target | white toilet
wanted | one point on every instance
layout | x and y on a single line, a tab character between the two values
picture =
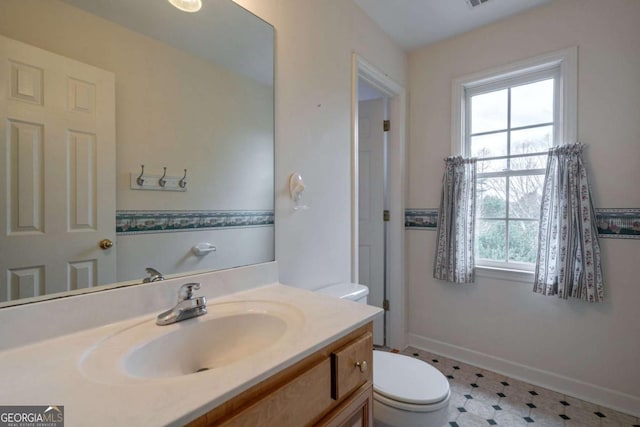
407	392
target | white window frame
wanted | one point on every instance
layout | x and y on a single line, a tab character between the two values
565	64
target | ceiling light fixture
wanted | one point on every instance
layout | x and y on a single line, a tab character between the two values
187	5
475	3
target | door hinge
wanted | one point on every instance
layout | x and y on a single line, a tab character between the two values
386	215
386	125
385	305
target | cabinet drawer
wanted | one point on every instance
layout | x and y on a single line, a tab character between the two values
351	366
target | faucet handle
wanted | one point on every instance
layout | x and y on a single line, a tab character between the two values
154	275
153	271
186	291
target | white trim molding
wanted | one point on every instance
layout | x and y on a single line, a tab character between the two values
593	393
396	179
505	274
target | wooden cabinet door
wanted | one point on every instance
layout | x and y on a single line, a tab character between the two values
356	411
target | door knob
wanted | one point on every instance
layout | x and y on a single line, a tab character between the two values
105	244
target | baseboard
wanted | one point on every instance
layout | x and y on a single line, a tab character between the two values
570	386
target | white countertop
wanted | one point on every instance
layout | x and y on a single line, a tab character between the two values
49	373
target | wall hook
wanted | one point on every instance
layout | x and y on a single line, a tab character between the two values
296	188
183	182
163	181
140	179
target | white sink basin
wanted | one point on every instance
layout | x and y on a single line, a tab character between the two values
231	332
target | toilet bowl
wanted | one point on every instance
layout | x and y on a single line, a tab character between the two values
407	392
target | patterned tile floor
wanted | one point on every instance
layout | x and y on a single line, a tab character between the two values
481	398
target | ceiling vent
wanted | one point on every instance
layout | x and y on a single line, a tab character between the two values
475	3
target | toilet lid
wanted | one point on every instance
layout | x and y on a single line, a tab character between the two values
408	380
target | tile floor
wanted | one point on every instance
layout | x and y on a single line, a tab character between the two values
481	398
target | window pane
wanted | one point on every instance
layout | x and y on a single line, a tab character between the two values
532	104
492	145
491	238
489	111
490	196
531	162
523	241
532	140
525	195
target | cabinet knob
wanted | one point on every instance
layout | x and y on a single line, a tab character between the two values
362	366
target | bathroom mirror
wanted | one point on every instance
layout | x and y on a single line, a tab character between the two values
135	135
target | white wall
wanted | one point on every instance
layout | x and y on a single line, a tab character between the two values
234	247
314	43
588	350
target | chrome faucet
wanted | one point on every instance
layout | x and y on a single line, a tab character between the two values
154	275
186	308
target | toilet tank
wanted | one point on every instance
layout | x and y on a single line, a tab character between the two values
351	291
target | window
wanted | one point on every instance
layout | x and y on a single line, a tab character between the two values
510	127
509	119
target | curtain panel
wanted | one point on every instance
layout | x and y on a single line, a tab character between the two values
568	259
454	259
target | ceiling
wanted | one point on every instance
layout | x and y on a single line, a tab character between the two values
416	23
221	32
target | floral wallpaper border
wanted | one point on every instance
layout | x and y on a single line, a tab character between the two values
145	222
618	223
421	218
612	223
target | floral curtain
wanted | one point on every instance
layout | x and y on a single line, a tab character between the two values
568	261
454	259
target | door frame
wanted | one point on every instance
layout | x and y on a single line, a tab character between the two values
396	178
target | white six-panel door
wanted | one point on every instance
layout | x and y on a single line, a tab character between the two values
57	180
371	205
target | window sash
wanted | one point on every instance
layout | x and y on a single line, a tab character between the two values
513	129
524	78
510	172
510	83
471	89
511	265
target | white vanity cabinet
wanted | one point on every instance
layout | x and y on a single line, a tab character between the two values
332	387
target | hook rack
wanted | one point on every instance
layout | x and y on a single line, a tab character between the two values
159	182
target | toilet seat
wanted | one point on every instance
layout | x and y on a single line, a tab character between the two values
408	384
410	407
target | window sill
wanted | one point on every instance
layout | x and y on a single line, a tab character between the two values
505	274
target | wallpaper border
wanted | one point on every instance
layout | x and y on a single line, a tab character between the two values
618	223
421	219
145	222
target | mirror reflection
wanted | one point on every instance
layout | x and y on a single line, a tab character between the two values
135	135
